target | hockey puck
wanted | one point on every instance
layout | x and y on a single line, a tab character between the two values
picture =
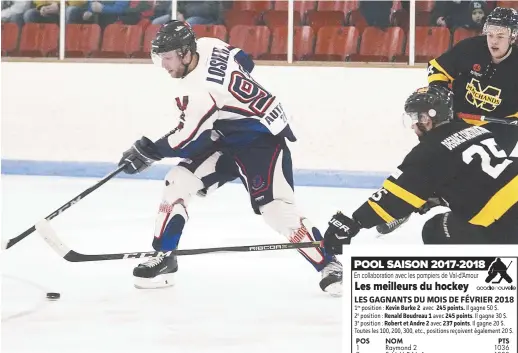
53	296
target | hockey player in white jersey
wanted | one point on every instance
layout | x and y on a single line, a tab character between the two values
230	126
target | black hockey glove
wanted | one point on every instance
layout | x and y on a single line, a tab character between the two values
340	231
431	203
140	156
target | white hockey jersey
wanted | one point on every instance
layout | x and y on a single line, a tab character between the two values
220	101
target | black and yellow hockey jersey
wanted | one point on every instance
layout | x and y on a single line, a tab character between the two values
480	86
459	162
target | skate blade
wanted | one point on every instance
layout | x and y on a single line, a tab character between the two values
334	289
160	281
384	229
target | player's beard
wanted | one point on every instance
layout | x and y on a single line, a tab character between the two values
186	66
422	129
185	69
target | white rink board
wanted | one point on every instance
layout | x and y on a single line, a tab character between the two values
345	118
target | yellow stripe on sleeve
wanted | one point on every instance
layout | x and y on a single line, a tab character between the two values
380	211
403	194
438	77
435	64
498	205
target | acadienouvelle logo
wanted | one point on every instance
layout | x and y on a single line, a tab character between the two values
500	275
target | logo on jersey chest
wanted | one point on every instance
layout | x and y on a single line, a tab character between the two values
487	99
182	105
475	71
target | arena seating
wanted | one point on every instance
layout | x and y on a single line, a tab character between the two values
324	30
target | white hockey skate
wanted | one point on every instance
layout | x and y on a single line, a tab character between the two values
331	281
157	272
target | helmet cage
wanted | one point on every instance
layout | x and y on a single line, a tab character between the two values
436	101
503	17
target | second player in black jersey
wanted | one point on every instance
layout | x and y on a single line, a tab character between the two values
482	72
455	161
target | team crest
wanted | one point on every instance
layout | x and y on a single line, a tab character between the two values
487	99
257	182
182	105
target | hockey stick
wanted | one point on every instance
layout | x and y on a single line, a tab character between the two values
50	236
11	242
66	206
489	119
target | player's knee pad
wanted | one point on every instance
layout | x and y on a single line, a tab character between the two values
180	185
281	216
285	219
435	230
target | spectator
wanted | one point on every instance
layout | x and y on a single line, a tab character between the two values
376	13
74	11
43	12
137	11
477	15
48	12
450	14
12	11
195	13
162	12
105	12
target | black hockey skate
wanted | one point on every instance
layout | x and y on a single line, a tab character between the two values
386	228
157	272
331	281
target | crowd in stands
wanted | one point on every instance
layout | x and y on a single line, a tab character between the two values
107	12
454	14
451	14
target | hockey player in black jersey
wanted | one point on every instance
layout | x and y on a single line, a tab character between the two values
455	161
482	72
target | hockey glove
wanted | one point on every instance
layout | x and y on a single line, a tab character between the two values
431	203
340	231
140	156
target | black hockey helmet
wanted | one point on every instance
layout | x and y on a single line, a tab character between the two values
435	100
503	17
174	35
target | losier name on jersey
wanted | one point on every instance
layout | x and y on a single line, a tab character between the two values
218	65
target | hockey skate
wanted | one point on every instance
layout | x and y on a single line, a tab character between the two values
386	228
331	281
157	272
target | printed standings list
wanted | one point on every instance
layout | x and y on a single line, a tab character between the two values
429	305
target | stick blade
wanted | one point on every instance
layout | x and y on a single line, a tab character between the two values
50	236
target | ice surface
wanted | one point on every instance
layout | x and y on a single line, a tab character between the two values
250	302
241	302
